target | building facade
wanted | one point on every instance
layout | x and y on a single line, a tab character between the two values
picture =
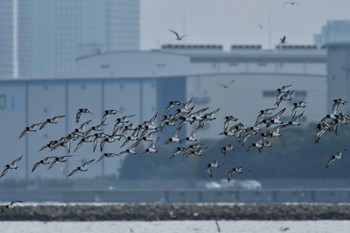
333	31
51	33
143	83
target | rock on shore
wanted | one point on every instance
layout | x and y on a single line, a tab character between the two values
152	212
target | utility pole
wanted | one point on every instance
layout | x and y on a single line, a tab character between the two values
15	39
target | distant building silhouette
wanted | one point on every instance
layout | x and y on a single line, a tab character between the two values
51	32
333	31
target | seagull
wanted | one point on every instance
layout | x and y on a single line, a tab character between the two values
81	111
225	85
44	161
283	40
214	164
292	3
13	165
82	168
8	206
337	156
178	37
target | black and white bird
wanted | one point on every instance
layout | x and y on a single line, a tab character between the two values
80	112
8	206
178	37
53	120
235	170
106	155
60	159
292	3
32	128
337	156
44	161
152	148
335	105
175	138
108	113
296	106
11	166
227	148
81	168
214	164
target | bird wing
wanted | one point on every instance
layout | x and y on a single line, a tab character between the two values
221	84
73	172
57	117
23	133
43	124
14	202
36	165
153	145
16	160
229	175
87	163
209	171
52	164
330	161
77	117
4	172
176	34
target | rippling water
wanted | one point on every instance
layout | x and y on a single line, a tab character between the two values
177	226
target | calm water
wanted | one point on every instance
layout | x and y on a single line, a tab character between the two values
177	226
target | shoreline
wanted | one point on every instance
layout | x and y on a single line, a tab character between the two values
175	211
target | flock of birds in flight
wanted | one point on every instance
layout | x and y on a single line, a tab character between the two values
178	114
268	125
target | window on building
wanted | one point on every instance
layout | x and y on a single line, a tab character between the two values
300	94
105	66
269	93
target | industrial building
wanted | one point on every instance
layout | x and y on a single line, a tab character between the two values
143	82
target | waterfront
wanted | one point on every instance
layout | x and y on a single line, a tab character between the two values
324	226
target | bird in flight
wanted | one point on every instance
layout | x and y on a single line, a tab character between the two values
283	40
292	3
12	165
178	37
8	206
225	85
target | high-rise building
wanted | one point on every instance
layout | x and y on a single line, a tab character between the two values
52	33
333	31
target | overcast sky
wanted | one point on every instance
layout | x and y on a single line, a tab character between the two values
229	22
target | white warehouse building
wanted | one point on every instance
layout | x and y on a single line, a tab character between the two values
256	73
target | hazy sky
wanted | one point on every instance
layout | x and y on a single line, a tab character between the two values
229	22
